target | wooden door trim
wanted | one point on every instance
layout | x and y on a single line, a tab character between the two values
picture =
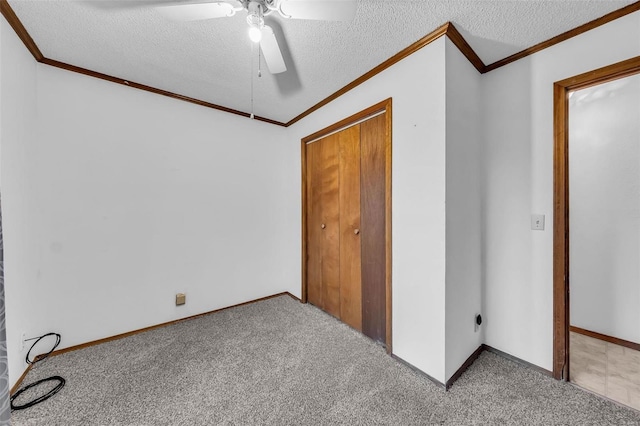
380	107
385	107
561	91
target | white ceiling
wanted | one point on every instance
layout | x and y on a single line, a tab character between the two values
211	60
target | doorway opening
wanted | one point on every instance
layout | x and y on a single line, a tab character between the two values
595	174
346	221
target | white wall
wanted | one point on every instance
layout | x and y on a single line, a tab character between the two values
18	114
417	86
518	180
463	229
604	188
137	197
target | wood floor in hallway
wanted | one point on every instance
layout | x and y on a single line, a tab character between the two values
606	368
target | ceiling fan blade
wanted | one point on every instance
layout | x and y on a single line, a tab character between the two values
324	10
196	12
271	51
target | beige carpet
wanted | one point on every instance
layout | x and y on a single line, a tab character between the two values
279	362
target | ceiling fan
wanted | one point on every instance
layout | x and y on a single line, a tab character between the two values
328	10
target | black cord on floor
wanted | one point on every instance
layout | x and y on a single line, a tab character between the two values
38	358
43	356
39	399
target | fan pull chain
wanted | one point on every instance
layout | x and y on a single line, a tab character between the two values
251	116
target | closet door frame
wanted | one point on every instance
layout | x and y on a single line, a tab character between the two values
383	107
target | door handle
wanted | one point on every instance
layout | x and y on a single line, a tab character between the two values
323	226
356	231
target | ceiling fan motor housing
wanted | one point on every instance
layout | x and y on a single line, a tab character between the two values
255	17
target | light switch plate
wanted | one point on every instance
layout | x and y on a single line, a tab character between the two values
537	222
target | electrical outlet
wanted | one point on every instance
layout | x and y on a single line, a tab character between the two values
23	338
477	322
181	299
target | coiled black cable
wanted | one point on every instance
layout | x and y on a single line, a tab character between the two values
38	358
39	399
43	356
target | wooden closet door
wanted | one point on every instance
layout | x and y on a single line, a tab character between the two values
350	276
314	232
373	202
346	206
323	221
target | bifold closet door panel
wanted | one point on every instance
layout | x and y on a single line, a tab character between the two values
330	225
350	275
314	231
372	234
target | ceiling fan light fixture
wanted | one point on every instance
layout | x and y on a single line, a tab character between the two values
255	19
255	34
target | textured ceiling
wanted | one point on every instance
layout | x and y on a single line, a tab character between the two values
211	60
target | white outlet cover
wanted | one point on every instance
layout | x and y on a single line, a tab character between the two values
537	222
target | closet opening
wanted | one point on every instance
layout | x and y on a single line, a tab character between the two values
346	221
